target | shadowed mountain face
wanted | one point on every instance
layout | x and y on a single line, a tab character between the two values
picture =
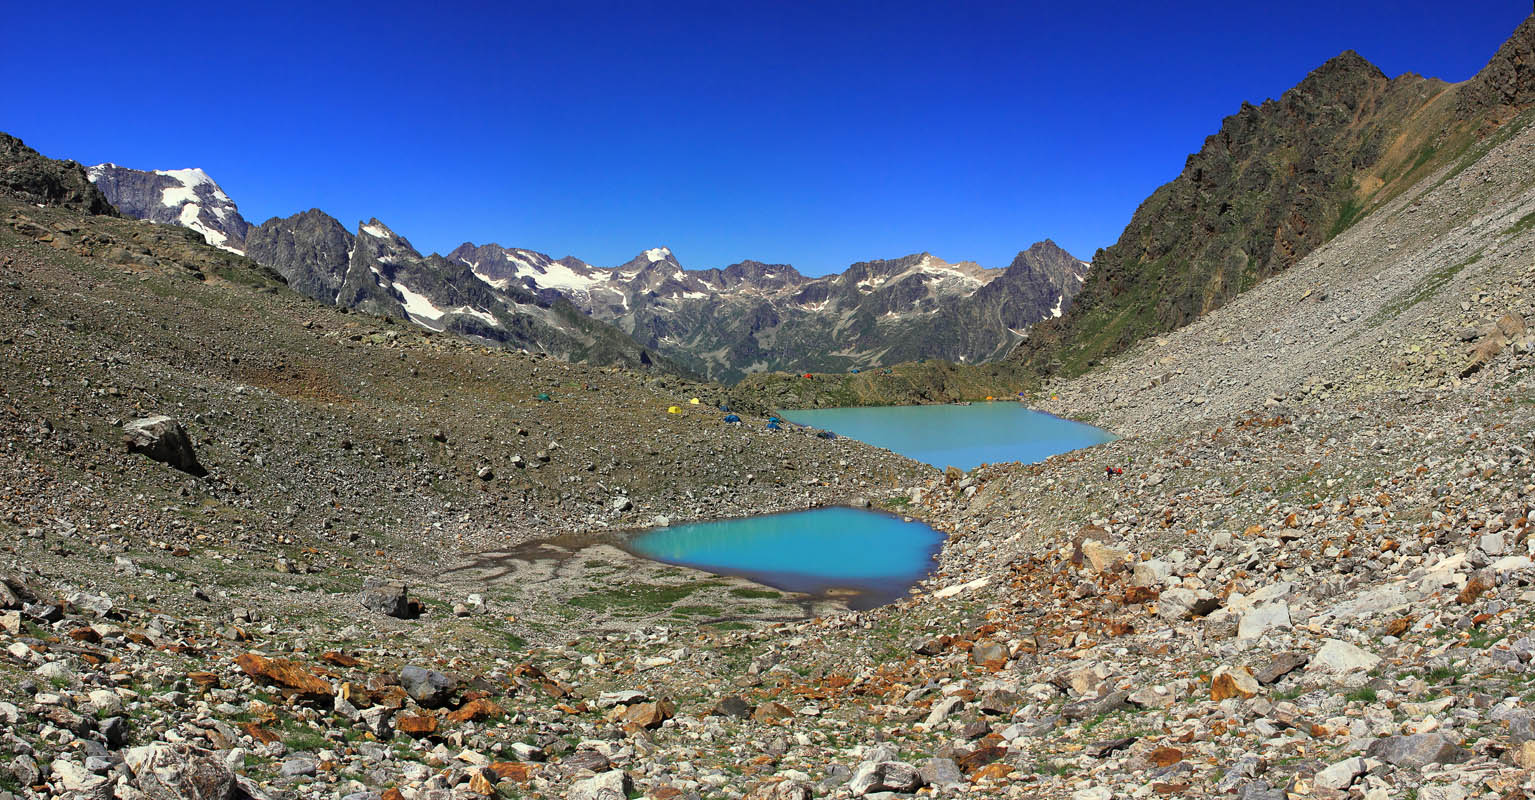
755	317
723	323
1276	181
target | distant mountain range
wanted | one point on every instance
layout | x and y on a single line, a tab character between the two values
720	323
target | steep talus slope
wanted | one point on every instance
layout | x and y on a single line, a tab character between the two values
1401	300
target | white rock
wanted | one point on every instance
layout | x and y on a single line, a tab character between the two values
610	785
1341	775
106	701
1339	658
1150	573
1262	619
950	591
942	710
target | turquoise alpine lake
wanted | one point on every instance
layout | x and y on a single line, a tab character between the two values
868	558
956	435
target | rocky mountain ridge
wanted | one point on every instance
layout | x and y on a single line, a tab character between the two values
754	317
372	270
1274	183
721	323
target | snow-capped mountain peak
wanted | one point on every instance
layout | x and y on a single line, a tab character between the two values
186	197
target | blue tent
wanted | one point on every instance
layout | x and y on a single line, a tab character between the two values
773	425
732	418
826	435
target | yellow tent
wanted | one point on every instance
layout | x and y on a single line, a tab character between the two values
694	401
674	410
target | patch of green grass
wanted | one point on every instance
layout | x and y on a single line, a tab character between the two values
1424	289
305	740
1094	722
1365	695
1525	223
755	594
1289	694
1443	675
638	599
1481	639
729	625
1047	768
1352	210
695	611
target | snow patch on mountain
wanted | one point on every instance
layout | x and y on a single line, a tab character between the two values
658	253
417	305
378	231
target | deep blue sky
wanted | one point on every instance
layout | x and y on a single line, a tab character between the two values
816	134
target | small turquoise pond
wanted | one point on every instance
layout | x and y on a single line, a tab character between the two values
867	556
957	436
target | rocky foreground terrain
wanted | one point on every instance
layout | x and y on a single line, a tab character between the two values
1313	579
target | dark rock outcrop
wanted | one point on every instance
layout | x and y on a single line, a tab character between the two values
26	174
311	250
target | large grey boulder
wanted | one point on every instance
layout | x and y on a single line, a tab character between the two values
165	771
163	439
1418	751
429	687
386	597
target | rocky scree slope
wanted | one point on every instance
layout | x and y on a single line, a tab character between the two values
1422	295
1278	180
373	270
752	317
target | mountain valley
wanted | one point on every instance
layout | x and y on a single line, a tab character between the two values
395	568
